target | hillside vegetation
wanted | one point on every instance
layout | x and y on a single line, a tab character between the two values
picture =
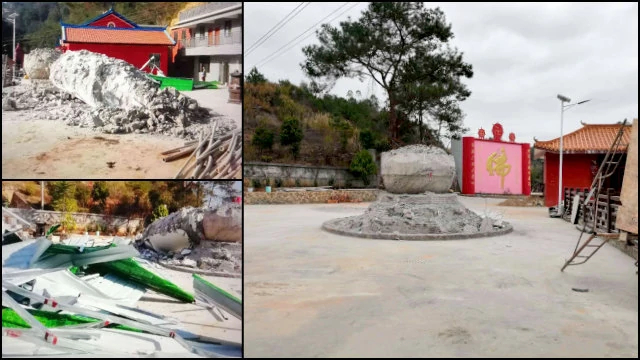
119	198
333	129
38	23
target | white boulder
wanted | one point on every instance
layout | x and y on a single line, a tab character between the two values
415	169
38	62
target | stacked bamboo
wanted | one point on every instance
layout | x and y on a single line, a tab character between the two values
210	157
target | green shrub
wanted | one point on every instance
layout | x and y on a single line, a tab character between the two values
263	137
256	183
367	140
291	134
382	145
298	183
278	182
68	222
160	211
363	166
266	158
332	181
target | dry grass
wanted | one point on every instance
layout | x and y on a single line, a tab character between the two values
524	201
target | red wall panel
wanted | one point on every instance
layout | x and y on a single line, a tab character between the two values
119	23
136	55
576	173
468	165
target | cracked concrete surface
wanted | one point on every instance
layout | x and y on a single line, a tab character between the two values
314	294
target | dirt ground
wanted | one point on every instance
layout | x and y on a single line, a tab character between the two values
48	149
325	295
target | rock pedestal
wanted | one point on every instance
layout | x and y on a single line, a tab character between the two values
418	205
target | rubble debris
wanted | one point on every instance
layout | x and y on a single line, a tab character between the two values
38	62
226	224
197	238
8	104
98	296
121	99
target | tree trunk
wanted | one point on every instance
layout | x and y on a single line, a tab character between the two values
393	117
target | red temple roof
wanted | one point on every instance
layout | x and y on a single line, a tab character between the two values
591	138
116	36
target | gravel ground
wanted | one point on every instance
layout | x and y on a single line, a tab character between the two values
46	149
325	295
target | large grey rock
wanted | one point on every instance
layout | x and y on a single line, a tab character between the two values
415	169
38	62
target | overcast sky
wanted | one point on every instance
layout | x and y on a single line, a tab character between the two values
523	55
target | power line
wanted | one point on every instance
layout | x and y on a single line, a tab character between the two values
267	59
258	42
261	62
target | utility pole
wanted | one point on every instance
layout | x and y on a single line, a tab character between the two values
13	17
41	195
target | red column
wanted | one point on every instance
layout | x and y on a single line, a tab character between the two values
526	169
468	165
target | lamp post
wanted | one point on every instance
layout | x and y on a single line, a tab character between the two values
13	17
563	99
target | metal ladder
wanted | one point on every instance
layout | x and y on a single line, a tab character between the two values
607	168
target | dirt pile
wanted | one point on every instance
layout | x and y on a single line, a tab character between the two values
417	217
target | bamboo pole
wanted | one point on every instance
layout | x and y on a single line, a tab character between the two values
180	155
189	159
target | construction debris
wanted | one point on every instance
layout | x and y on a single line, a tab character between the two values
212	156
121	99
197	238
97	288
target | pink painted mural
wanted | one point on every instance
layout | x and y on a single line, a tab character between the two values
498	167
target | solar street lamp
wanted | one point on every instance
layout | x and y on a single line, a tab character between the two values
563	99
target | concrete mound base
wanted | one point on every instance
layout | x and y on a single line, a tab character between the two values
426	216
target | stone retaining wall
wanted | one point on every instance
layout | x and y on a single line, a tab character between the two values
84	221
307	197
302	175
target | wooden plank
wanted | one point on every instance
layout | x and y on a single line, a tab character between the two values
627	218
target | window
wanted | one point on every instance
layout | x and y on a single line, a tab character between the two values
175	36
227	28
111	24
201	31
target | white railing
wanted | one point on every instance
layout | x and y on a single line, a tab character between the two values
210	41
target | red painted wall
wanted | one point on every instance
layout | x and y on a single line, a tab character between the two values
119	23
526	169
576	173
135	55
469	165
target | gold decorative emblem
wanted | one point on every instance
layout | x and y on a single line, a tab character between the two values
497	165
